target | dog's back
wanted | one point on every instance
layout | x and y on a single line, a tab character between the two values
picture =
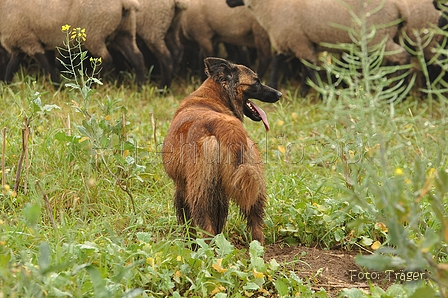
211	159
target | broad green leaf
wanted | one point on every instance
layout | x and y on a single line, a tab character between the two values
224	247
144	237
380	262
281	287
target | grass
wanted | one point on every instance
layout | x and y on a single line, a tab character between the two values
100	246
92	213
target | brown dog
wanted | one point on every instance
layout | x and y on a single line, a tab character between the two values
208	153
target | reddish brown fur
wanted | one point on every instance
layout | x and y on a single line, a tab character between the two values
211	159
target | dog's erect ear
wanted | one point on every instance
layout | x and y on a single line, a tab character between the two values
218	69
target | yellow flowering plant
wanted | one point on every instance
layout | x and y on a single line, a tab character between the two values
98	134
72	58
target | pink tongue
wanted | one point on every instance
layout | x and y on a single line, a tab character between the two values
263	116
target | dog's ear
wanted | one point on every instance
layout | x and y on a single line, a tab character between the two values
218	69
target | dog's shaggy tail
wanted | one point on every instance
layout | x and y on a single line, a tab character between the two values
249	192
248	186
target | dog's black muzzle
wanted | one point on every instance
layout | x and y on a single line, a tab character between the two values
262	93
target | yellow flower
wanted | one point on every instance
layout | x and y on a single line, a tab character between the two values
66	27
280	122
96	61
79	34
399	171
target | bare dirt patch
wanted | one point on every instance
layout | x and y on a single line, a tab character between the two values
332	270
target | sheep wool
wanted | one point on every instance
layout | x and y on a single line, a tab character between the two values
158	26
33	28
297	26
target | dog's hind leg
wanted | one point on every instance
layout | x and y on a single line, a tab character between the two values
210	206
255	219
183	211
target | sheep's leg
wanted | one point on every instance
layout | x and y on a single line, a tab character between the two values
206	50
13	65
308	73
263	51
237	54
174	44
127	45
165	59
48	69
277	63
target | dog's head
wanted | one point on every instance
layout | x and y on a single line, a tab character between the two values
240	84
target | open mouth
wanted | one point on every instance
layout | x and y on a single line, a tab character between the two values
255	113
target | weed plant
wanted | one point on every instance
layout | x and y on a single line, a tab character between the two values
365	170
397	182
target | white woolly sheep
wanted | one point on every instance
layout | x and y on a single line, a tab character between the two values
210	21
298	27
158	26
424	18
31	28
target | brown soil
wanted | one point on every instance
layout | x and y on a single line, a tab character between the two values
332	270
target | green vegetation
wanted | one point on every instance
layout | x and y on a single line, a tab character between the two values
86	208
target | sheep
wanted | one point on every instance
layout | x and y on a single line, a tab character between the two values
158	26
424	17
443	6
298	27
209	21
32	29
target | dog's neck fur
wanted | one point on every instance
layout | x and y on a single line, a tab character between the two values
216	91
